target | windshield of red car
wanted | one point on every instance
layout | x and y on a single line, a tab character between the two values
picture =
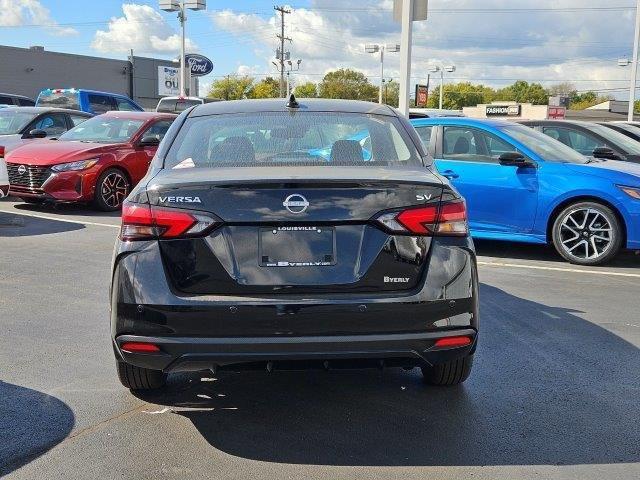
103	129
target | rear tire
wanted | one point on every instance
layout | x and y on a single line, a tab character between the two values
112	188
587	233
136	378
449	373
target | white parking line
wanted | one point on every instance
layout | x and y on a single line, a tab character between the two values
559	269
59	219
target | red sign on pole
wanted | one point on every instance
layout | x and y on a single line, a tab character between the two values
422	95
556	113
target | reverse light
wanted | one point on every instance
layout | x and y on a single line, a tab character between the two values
452	342
75	166
446	219
633	192
139	347
144	222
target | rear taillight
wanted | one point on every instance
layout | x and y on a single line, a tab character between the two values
1	151
144	222
446	219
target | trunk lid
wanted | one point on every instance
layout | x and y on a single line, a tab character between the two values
295	230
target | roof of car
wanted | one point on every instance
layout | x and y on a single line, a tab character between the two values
280	105
14	95
462	121
138	115
558	122
46	109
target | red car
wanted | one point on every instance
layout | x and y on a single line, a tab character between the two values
98	161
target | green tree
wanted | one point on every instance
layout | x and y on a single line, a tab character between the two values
267	88
306	90
231	88
391	93
348	84
458	95
524	92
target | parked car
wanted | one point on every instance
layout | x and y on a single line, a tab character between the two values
4	176
631	131
247	250
20	125
11	99
180	104
433	112
90	101
99	161
590	139
521	185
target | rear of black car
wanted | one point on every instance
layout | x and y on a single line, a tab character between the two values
276	237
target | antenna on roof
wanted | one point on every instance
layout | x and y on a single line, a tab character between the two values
293	103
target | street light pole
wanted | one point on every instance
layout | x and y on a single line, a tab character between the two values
183	18
634	65
406	20
441	87
381	74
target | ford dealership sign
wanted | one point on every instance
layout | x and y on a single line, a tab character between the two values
199	64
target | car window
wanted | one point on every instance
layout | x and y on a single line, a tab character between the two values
77	119
25	102
543	145
104	129
579	141
472	145
13	121
52	123
59	99
125	105
425	135
158	129
6	101
166	105
100	103
182	105
267	139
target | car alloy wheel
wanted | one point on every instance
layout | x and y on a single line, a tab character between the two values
586	233
114	189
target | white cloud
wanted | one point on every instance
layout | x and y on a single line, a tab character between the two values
14	13
142	29
493	48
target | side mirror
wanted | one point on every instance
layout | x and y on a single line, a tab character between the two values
605	152
513	159
35	133
149	141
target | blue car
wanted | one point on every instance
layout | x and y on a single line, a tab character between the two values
89	101
521	185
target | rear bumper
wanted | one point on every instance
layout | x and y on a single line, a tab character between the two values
194	354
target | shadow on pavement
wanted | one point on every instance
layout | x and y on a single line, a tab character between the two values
31	423
526	251
548	388
23	226
63	209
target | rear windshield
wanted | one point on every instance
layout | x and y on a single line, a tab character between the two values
299	138
103	129
12	122
59	100
177	106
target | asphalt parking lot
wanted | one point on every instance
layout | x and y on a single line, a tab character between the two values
554	391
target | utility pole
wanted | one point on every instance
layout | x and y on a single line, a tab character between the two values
406	20
634	65
280	52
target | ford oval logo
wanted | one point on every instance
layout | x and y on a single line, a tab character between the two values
198	64
295	203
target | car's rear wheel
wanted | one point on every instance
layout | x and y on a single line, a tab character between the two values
449	373
587	233
136	378
112	188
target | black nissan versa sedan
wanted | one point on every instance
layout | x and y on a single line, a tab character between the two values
274	234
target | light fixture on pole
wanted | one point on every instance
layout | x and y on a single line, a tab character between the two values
375	48
289	70
181	6
442	69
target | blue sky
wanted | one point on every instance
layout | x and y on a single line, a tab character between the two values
493	42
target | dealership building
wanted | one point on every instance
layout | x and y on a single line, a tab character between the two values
27	71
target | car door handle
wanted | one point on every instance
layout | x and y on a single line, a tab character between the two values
450	174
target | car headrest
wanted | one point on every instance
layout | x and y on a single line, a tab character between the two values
234	150
349	151
462	146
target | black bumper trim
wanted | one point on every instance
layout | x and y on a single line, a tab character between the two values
193	354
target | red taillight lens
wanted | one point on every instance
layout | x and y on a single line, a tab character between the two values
143	222
1	151
139	347
451	342
449	219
